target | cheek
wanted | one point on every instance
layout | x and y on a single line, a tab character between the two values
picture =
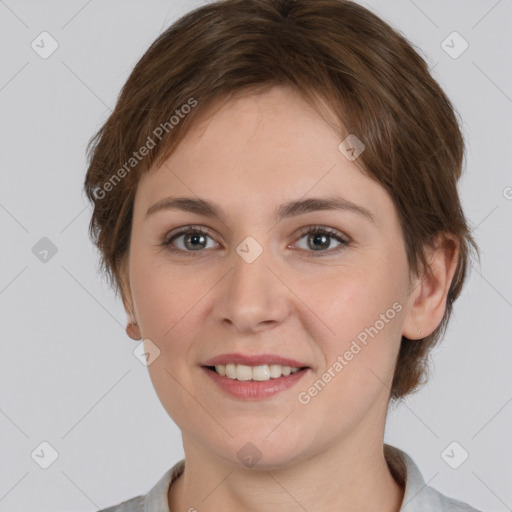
361	312
168	301
166	297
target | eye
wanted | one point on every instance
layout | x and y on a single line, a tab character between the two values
318	238
193	240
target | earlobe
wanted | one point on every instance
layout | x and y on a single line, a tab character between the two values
132	329
427	303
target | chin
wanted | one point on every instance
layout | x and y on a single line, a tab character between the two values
261	453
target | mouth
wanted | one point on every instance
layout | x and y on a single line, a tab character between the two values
254	376
254	382
260	373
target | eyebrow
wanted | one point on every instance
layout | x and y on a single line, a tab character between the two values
287	210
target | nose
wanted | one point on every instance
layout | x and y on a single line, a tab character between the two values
252	297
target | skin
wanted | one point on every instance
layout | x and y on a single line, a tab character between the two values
250	156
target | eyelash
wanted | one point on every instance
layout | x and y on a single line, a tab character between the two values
344	242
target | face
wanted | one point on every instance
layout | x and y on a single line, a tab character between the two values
327	288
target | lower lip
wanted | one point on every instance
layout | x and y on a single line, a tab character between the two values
253	389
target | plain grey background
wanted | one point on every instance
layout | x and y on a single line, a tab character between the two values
68	375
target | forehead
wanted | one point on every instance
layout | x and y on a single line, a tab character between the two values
260	148
264	114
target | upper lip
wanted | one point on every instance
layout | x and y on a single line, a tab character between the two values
253	360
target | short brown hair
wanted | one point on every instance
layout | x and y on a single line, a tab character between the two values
376	83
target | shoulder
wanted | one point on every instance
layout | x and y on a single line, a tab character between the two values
441	502
156	499
418	496
132	505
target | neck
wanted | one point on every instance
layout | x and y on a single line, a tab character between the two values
349	476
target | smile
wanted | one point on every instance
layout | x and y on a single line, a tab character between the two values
254	382
260	373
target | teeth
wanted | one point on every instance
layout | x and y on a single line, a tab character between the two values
261	373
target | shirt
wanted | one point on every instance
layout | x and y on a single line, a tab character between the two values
418	496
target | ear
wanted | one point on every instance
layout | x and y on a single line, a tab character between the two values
429	292
132	329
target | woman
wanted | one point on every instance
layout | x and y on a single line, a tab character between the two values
275	200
